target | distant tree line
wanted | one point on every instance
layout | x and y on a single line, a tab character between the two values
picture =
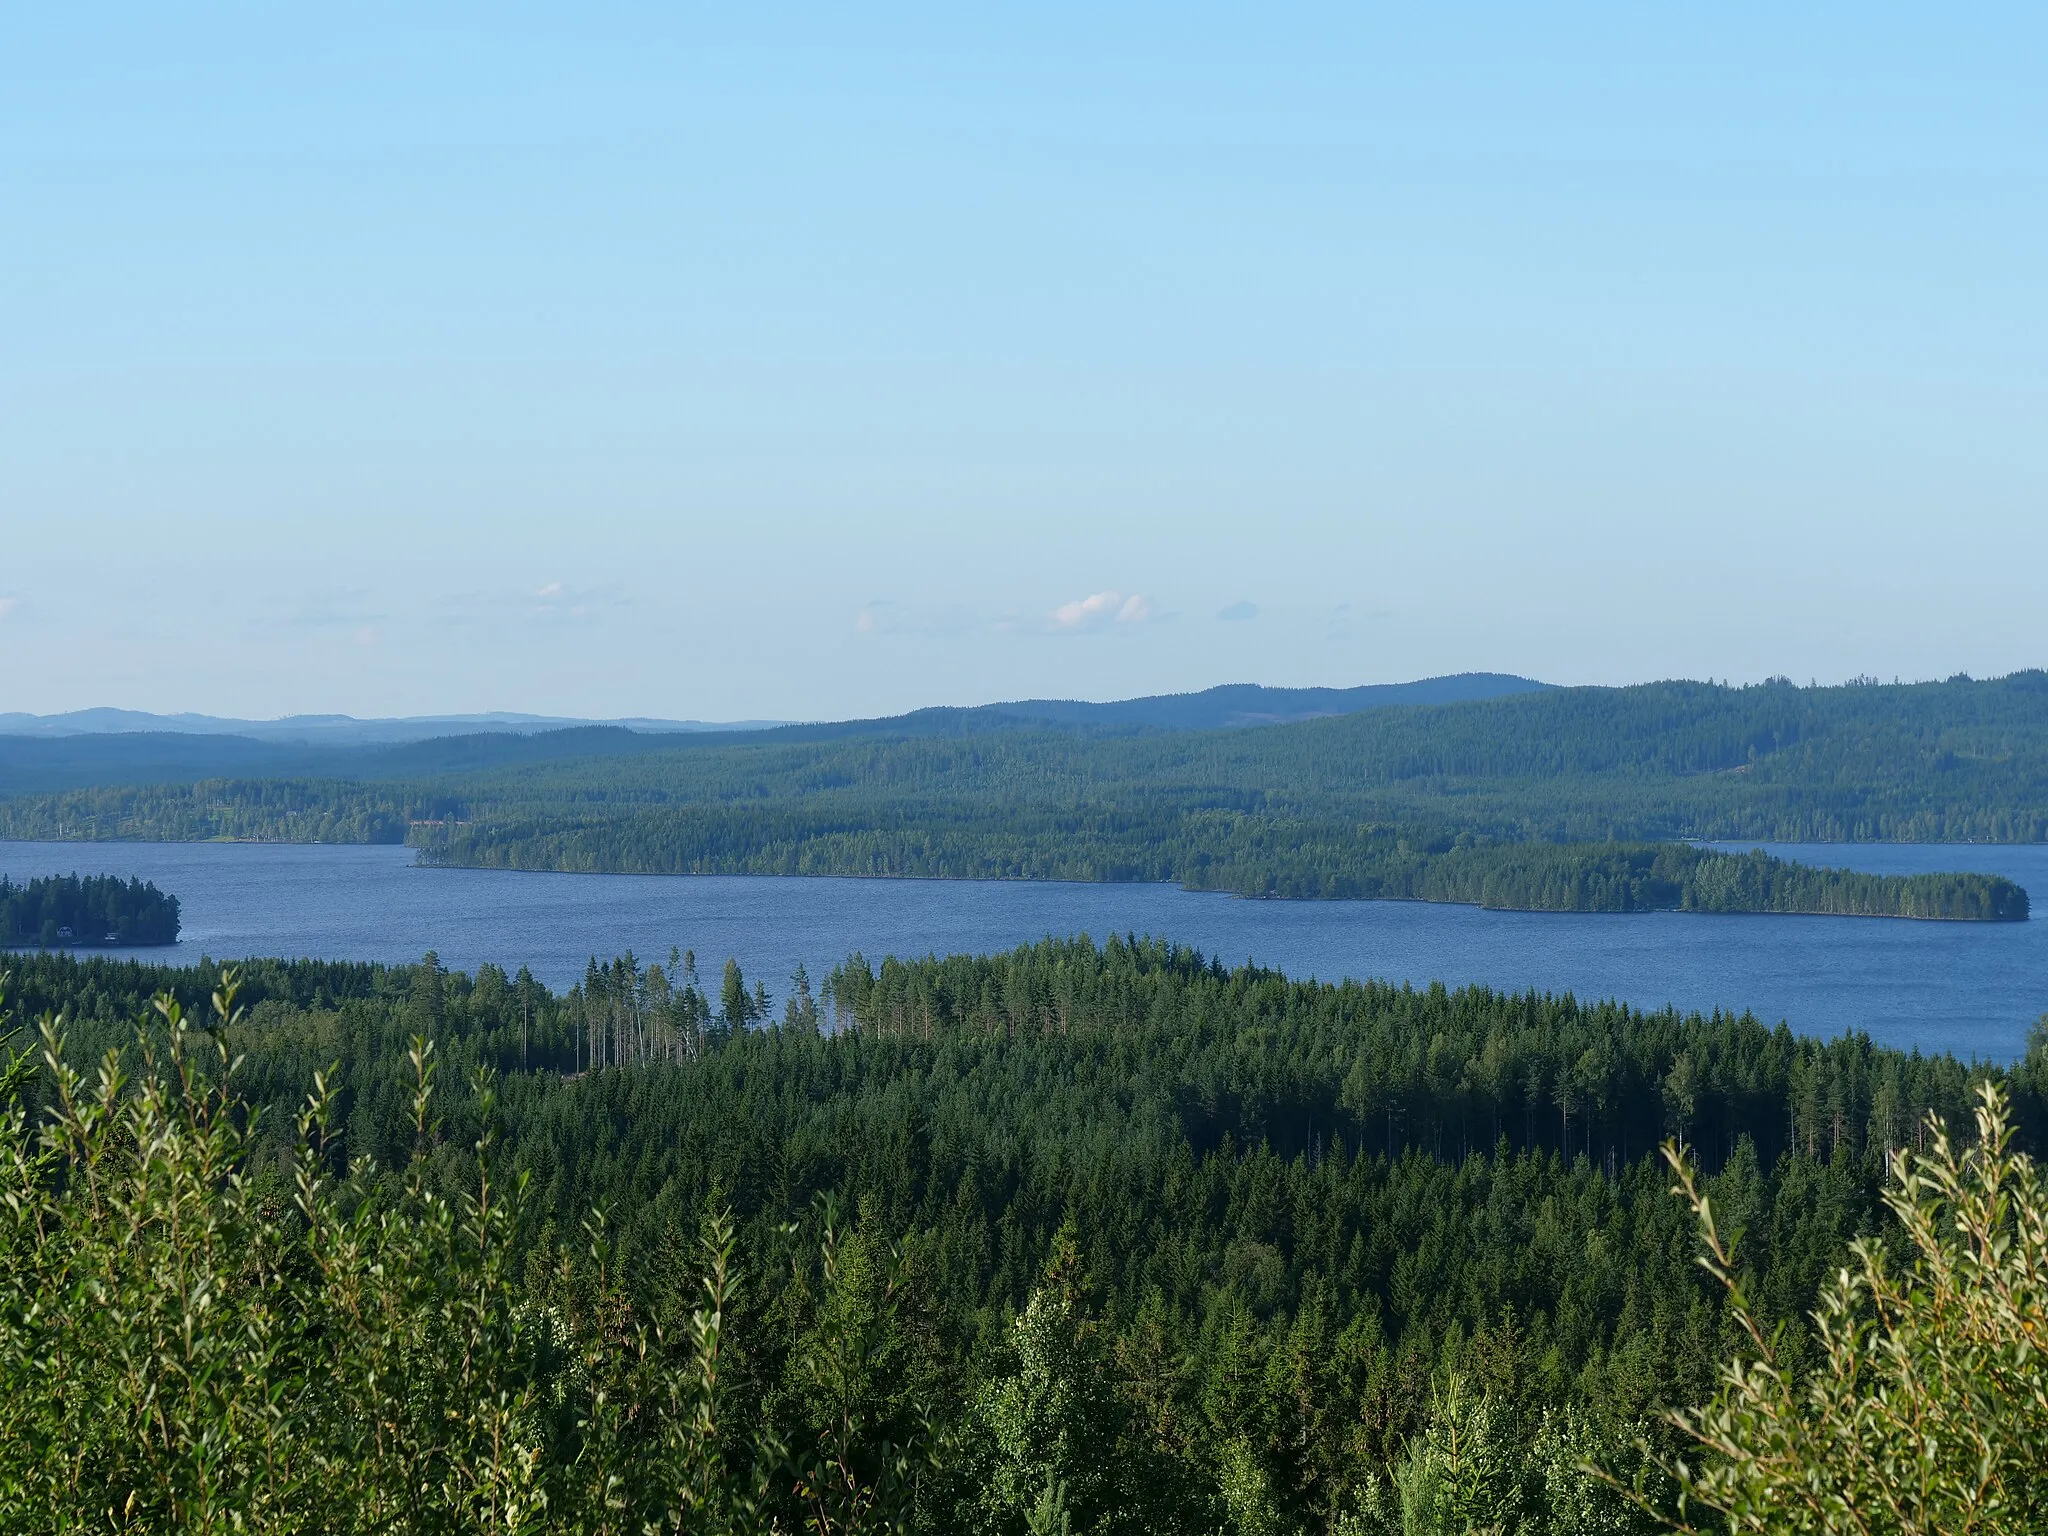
97	909
227	810
1415	802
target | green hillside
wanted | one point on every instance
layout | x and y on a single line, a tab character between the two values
1411	801
1175	1247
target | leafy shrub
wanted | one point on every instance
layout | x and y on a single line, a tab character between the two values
1927	1410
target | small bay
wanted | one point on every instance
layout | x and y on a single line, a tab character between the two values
1968	988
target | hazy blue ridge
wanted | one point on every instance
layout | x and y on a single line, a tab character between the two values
40	754
1236	704
334	730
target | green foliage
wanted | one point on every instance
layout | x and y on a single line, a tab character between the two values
1475	1468
1926	1409
99	909
184	1346
1074	1239
189	1345
852	1385
1050	1429
1464	1472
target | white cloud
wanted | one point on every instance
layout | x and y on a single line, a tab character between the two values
1084	615
1100	610
9	606
1238	613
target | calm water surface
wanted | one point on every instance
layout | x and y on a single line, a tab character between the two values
1970	988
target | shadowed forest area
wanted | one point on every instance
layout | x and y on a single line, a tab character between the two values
97	909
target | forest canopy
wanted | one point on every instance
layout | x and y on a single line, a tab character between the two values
98	909
1080	1238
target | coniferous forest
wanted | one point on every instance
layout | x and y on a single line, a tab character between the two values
1571	799
98	909
1076	1238
493	490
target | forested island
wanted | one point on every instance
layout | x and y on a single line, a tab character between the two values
98	909
1075	1238
1288	861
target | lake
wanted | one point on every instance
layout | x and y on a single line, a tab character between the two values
1968	988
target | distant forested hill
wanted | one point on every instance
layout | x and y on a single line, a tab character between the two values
328	730
108	748
1396	801
1250	704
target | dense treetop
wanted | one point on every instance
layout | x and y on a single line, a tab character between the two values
1099	1237
98	909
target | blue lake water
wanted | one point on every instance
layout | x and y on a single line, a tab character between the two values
1969	988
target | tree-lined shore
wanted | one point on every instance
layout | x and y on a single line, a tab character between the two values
1559	800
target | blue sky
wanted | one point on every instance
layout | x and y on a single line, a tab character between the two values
784	361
